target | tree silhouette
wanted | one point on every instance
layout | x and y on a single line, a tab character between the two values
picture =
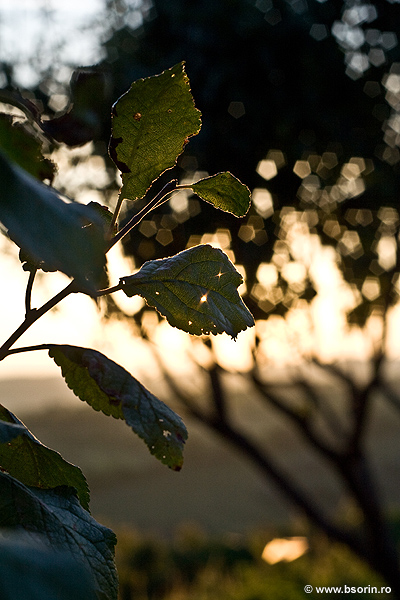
313	91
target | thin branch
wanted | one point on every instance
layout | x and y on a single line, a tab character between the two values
115	215
28	293
371	542
29	349
301	422
218	393
360	397
183	397
361	404
263	462
109	290
362	400
159	199
325	408
334	370
34	315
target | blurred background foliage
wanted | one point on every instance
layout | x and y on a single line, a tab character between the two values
231	567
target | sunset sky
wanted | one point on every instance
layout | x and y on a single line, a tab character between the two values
320	329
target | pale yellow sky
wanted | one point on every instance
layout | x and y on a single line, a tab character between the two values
75	321
321	328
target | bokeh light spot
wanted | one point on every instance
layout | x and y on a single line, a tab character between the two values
376	57
302	168
371	288
278	157
148	228
164	237
262	202
246	233
267	169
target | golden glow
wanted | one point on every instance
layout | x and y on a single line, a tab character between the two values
284	549
234	356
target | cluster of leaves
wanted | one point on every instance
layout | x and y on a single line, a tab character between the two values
240	56
196	290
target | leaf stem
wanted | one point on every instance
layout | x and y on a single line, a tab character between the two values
30	348
159	199
35	314
115	215
109	290
28	293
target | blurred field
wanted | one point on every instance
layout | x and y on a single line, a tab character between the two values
216	488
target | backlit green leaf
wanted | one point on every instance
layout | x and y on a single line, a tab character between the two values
196	290
24	148
68	237
224	191
108	387
151	125
64	526
32	463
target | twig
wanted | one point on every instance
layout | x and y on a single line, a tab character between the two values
29	349
218	393
325	408
301	422
109	290
34	315
159	199
115	215
361	404
28	293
